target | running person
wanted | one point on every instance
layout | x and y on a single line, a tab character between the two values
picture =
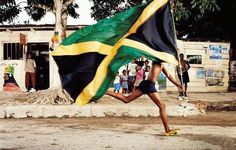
148	87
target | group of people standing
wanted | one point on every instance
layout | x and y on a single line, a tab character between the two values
136	72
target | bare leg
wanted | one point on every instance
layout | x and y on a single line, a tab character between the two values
134	88
126	91
162	109
185	90
186	86
126	99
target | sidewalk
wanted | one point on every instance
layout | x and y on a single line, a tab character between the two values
107	106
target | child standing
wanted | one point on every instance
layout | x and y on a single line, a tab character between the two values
124	82
117	83
139	75
147	72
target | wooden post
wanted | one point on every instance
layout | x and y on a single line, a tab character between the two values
180	67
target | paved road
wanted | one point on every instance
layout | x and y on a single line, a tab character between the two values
115	133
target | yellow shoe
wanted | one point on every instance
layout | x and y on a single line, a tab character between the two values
172	132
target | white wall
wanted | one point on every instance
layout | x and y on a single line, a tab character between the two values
221	65
14	37
186	48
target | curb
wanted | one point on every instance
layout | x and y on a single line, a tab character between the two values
93	110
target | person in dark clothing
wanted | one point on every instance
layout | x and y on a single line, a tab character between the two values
185	77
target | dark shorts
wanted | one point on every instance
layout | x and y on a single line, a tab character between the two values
147	86
185	77
131	79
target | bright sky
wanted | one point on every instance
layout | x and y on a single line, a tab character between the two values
84	10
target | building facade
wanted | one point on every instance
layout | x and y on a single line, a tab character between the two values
209	61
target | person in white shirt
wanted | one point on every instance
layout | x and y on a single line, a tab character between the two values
117	83
147	72
132	75
30	73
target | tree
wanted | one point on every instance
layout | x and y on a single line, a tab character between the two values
188	15
37	9
219	25
8	10
186	12
106	8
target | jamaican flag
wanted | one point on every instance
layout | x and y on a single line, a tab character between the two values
89	58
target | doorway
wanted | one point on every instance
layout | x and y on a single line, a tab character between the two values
40	52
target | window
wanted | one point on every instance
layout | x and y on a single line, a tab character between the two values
12	51
194	59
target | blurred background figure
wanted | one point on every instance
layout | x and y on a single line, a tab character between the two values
117	83
139	75
185	77
30	73
132	75
124	82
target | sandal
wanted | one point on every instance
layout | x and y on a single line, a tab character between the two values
172	132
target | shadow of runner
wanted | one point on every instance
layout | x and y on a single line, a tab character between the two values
222	141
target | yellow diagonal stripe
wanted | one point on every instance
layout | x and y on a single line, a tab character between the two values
81	48
143	47
90	90
147	13
100	76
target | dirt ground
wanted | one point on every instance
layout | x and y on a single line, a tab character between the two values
216	130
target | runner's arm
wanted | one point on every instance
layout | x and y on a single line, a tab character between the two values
171	78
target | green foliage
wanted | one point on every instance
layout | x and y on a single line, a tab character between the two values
47	3
35	13
185	9
72	10
186	12
180	11
8	10
106	8
36	9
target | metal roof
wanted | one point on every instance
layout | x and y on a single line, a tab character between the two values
46	27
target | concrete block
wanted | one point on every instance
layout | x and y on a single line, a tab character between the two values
67	111
172	111
2	112
77	111
187	109
17	112
36	111
152	111
45	111
143	111
53	111
109	110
